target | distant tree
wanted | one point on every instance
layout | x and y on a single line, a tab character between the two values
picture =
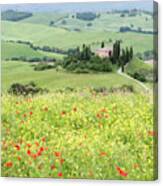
51	23
122	15
102	44
131	52
131	25
89	24
86	16
64	22
116	51
127	55
139	29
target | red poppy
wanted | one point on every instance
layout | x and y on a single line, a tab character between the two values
151	133
31	113
17	147
28	152
62	161
36	143
19	158
57	154
28	145
39	153
34	156
60	174
52	167
9	164
41	149
63	113
121	172
43	139
103	154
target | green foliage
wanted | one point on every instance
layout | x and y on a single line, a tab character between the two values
80	134
86	16
27	89
12	15
52	79
43	66
140	70
102	44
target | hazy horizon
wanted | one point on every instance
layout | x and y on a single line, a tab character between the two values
79	6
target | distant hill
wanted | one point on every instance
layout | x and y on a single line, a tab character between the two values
12	15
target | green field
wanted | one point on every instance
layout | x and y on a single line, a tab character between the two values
111	22
78	135
22	72
138	66
12	49
42	35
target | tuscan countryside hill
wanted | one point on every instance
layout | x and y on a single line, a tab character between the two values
78	79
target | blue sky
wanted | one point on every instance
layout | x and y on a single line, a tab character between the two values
76	7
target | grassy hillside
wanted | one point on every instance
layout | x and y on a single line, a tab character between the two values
105	21
109	22
78	135
138	66
61	38
45	17
11	49
22	72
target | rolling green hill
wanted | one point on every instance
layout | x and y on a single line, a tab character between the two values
57	37
137	66
45	17
11	49
105	21
22	72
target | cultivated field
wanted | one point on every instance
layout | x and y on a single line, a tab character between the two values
78	135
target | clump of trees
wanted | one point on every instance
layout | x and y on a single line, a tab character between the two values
32	59
86	16
147	55
43	66
138	30
85	61
25	89
12	15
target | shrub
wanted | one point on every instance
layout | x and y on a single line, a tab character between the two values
87	16
43	66
139	76
27	89
124	88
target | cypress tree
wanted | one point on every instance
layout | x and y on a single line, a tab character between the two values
102	44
